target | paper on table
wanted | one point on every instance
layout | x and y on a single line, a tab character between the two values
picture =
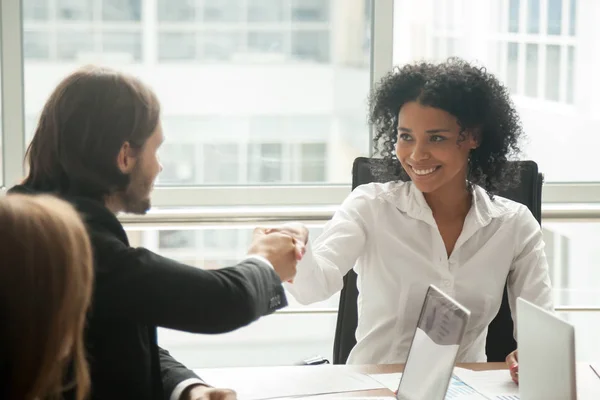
259	384
493	384
390	381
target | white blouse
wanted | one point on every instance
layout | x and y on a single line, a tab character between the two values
387	233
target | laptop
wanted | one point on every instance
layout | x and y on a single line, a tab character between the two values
433	351
546	354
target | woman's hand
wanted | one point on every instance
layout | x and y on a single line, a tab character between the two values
512	360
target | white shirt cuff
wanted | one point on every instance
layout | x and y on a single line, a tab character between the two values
260	258
176	393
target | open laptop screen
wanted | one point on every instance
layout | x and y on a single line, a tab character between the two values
434	348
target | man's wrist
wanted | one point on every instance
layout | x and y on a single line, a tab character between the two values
260	258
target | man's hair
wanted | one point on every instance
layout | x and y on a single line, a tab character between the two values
82	128
45	290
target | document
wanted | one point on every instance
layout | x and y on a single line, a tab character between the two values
260	384
466	383
492	384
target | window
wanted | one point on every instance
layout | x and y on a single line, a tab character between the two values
74	10
546	53
121	10
176	10
176	46
313	166
537	62
554	17
311	46
531	70
83	31
221	163
310	10
265	163
552	72
513	16
266	10
35	10
255	31
533	16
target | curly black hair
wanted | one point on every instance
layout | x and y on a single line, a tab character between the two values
470	93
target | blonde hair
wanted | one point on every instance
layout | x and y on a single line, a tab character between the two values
45	289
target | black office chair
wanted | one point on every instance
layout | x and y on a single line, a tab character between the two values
500	341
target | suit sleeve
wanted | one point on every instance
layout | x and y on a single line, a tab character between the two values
175	377
139	285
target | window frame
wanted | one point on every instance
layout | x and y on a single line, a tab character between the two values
12	96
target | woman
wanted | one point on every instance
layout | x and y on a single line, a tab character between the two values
45	288
447	132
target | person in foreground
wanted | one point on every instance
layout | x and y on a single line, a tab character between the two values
45	289
447	132
96	146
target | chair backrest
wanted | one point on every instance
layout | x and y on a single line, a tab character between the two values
500	340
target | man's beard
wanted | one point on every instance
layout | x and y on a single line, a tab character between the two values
136	197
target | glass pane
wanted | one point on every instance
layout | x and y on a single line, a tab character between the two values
121	10
217	64
512	68
36	45
573	18
265	162
74	45
533	16
554	17
36	10
570	73
74	10
176	46
531	70
517	60
552	72
513	16
179	163
221	163
220	46
265	10
122	46
313	46
310	10
222	10
572	252
176	10
313	165
265	42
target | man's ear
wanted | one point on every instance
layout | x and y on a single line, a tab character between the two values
126	158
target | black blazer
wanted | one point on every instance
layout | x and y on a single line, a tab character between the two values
136	290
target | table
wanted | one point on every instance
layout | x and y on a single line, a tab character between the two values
588	384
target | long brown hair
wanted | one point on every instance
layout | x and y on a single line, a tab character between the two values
45	288
82	127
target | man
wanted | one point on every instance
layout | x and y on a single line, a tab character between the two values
96	146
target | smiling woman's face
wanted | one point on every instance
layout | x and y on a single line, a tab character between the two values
430	147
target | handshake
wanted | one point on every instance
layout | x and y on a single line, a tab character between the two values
283	246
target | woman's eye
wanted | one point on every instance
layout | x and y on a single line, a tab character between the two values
437	138
404	137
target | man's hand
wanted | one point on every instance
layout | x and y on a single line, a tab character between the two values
294	229
201	392
512	360
282	251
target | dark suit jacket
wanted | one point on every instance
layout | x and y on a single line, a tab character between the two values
136	290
